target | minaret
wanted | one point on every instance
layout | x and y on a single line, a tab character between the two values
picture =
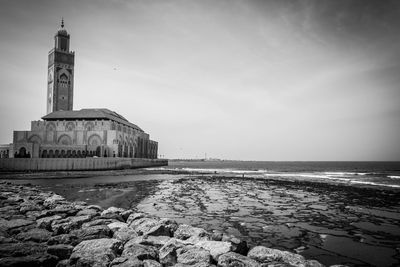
60	79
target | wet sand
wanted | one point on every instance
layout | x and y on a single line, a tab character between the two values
331	223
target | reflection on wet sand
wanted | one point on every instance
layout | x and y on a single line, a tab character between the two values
325	222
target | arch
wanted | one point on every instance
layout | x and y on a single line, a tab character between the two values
44	154
65	140
50	126
94	140
70	126
35	139
57	154
68	154
22	152
51	153
89	126
98	151
119	150
73	154
113	126
62	154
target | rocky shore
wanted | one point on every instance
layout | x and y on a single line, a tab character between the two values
43	229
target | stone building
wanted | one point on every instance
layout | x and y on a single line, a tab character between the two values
68	133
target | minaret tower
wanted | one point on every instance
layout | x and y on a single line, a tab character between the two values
60	79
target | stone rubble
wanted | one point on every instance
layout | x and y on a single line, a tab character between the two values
43	229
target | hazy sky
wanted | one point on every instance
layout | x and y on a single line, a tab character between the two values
252	80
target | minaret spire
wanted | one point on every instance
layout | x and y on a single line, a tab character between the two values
62	22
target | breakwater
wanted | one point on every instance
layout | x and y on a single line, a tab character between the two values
43	229
77	164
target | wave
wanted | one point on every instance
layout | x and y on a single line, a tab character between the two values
394	177
375	184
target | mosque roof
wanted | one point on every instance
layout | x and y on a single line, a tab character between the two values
89	114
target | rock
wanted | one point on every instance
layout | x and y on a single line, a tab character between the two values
63	263
70	223
94	232
95	207
216	235
96	252
216	248
90	212
190	233
113	216
139	251
143	225
167	253
125	234
51	201
155	241
266	255
98	222
313	263
112	210
126	262
61	251
35	235
17	225
239	246
39	260
134	216
115	226
21	249
125	214
66	239
151	263
233	259
19	261
191	255
45	222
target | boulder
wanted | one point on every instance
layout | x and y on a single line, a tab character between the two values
314	263
115	226
61	251
35	235
94	232
126	262
45	222
21	249
143	225
233	259
191	255
142	252
52	200
125	214
151	263
134	216
67	239
91	212
155	241
102	221
70	223
96	252
39	260
125	234
216	248
112	210
266	255
216	235
190	233
167	253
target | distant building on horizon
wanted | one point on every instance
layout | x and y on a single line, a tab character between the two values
68	133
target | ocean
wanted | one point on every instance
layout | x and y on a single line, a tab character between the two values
379	174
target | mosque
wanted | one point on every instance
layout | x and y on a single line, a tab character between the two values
67	133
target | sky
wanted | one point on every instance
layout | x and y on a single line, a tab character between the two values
276	80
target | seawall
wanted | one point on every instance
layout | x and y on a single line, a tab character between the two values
77	164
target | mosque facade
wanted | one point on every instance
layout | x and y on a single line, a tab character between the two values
67	133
